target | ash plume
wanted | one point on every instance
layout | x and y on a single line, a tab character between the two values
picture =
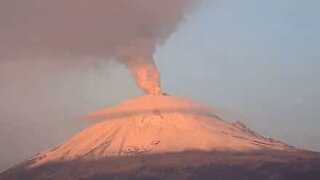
126	31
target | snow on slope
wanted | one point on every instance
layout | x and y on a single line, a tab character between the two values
156	124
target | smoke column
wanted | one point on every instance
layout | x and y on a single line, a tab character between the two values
139	59
126	31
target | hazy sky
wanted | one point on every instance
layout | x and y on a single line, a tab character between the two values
260	59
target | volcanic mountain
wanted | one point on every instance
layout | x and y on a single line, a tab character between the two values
166	137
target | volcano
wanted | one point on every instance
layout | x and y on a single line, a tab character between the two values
167	137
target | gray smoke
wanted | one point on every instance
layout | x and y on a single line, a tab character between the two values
123	30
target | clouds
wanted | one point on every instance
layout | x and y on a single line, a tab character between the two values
124	30
86	27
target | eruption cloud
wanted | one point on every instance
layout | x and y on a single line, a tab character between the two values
139	59
126	31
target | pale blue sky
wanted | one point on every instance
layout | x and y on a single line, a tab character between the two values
260	59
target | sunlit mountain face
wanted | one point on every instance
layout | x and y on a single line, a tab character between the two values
167	137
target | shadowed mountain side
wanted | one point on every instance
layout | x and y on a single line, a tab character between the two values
262	165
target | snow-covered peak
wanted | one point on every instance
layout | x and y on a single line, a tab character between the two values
150	103
156	124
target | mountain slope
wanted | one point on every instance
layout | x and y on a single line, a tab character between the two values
191	165
167	137
156	124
